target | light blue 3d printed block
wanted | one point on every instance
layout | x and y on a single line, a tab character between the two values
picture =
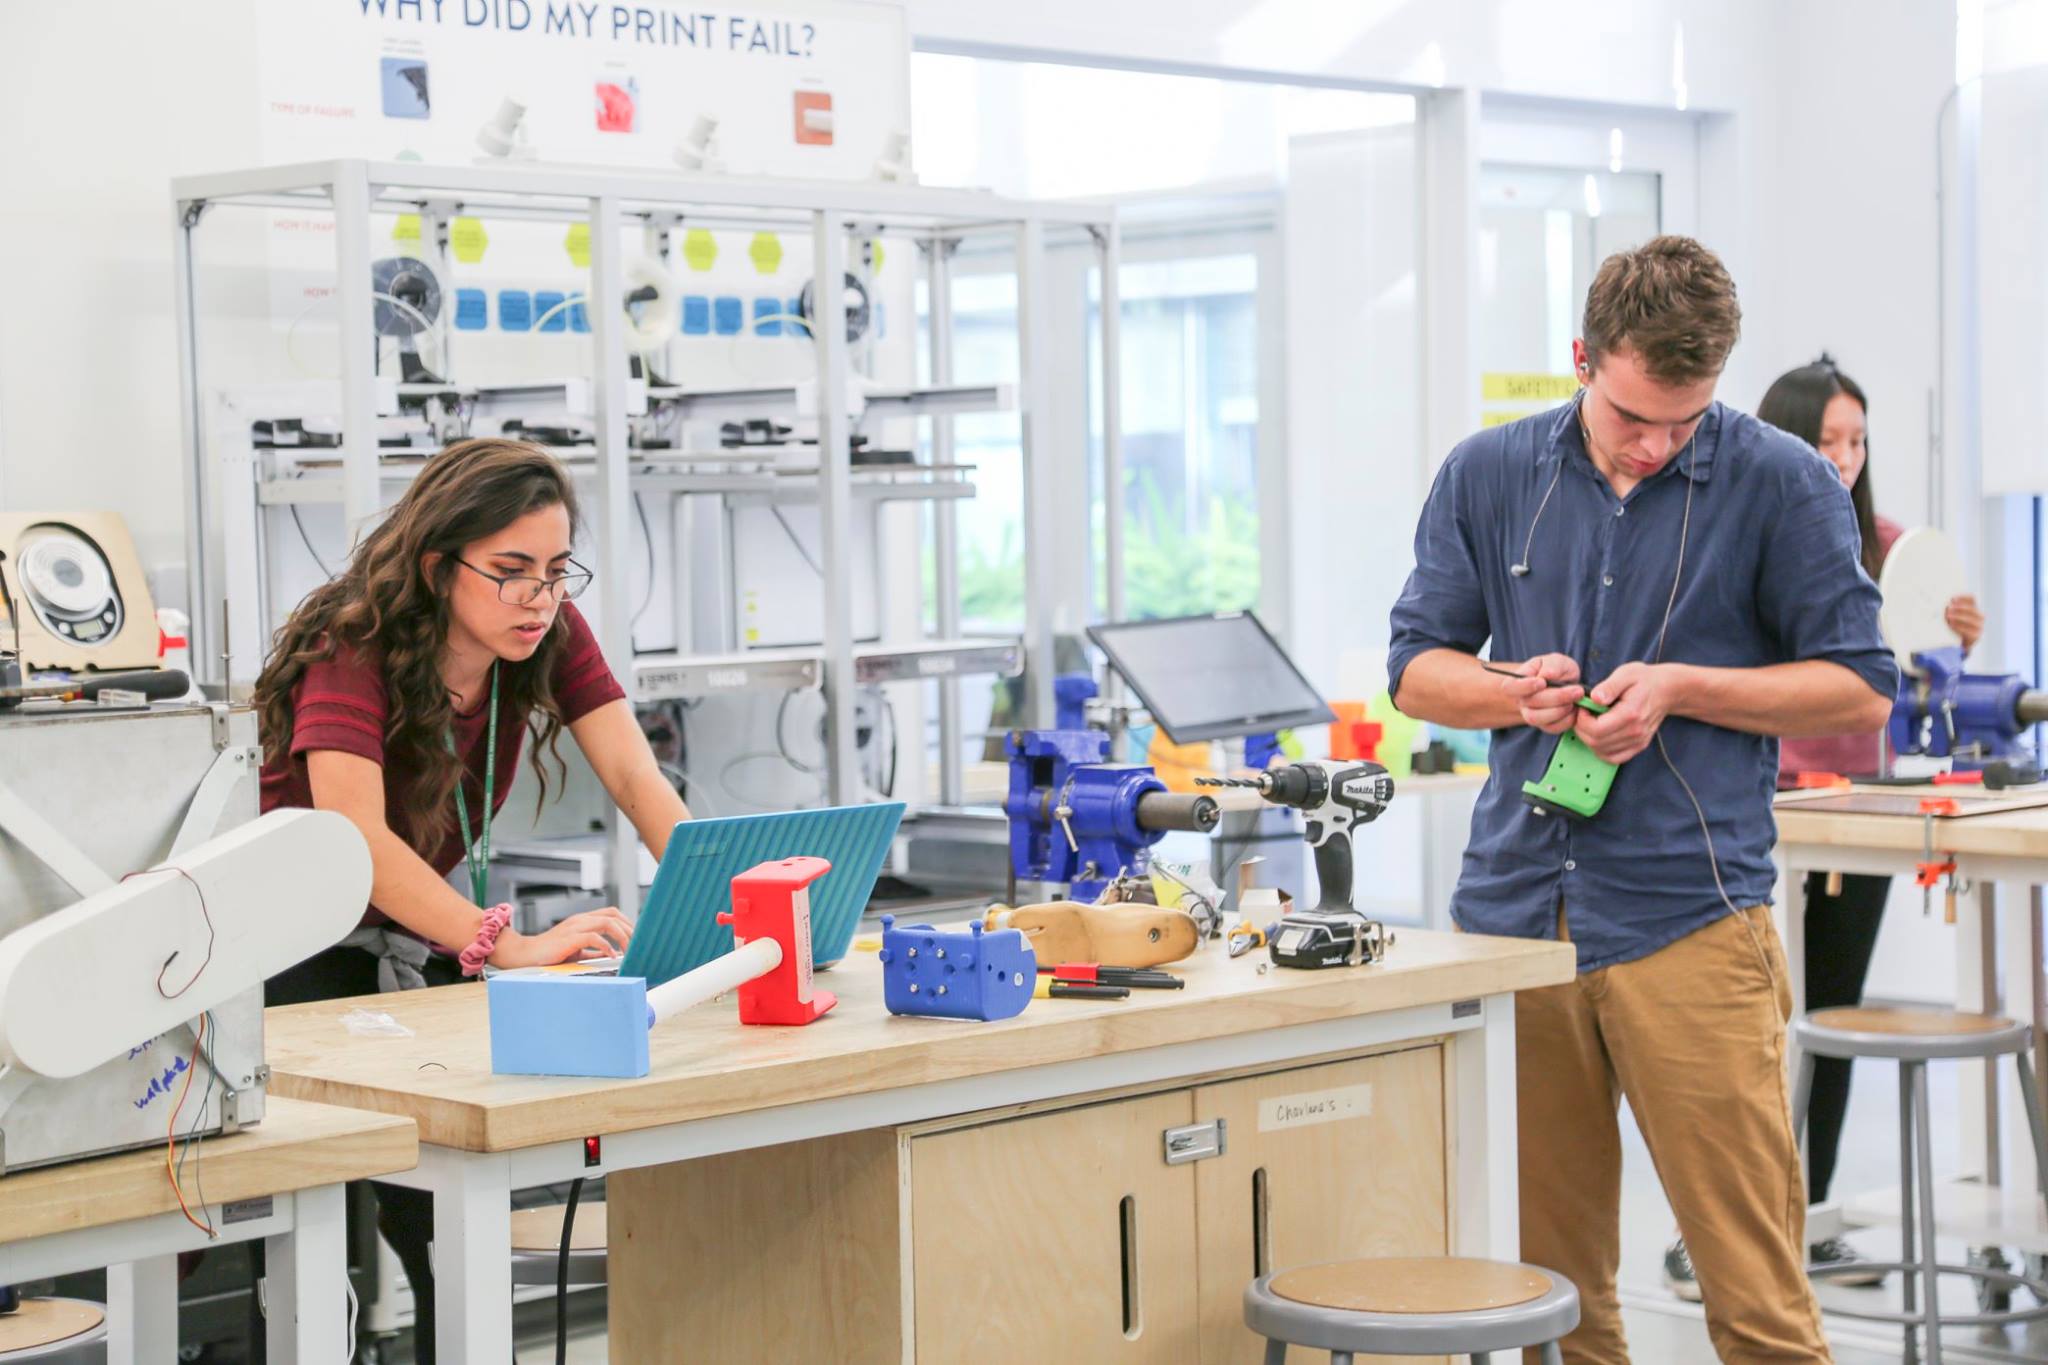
568	1025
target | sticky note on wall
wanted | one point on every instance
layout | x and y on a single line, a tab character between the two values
515	310
472	310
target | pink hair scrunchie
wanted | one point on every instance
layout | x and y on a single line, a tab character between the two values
479	951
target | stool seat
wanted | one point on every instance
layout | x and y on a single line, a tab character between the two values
1420	1284
1908	1034
1913	1038
42	1329
1435	1306
537	1245
538	1230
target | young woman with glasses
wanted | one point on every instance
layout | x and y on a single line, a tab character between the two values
400	694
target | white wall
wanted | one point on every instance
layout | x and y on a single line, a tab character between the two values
88	360
1354	418
1847	260
1604	51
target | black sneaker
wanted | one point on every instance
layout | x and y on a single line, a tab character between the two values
1837	1251
1678	1273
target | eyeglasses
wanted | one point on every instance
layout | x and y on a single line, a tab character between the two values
523	590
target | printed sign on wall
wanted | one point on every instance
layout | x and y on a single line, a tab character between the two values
811	89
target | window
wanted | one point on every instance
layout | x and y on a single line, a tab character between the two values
1190	434
1542	234
1194	293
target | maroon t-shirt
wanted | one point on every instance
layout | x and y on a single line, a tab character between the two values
341	704
1849	755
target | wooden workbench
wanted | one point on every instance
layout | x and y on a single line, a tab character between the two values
1999	944
717	1088
280	1179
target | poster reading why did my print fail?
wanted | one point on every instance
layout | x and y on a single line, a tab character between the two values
804	89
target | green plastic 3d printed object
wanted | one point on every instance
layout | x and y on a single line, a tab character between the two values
1577	780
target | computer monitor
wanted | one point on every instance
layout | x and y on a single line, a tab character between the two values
1211	677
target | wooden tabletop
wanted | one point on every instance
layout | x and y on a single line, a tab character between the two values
297	1146
2012	834
705	1063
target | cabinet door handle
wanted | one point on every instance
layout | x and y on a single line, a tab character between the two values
1262	1225
1127	1225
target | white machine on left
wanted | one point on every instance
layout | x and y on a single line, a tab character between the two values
138	893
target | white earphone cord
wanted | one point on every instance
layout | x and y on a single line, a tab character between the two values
1521	570
1713	859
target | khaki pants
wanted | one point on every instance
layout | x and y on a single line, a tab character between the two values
1694	1035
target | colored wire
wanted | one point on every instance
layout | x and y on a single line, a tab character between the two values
171	1137
191	1143
211	935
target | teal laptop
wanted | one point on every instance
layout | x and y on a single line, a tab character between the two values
678	927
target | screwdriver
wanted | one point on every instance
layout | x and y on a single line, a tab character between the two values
1090	973
1052	988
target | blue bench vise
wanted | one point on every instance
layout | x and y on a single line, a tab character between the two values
1080	822
1973	718
956	973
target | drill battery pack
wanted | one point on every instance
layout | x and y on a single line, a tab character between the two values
1328	938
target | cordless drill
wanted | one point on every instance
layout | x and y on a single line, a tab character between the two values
1333	795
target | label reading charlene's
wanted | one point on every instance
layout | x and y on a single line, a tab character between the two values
1316	1106
800	913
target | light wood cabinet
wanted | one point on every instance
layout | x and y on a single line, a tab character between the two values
1054	1234
1323	1163
1063	1236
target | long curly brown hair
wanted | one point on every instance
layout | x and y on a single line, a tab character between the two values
387	603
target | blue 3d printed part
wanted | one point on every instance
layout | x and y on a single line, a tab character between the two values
956	974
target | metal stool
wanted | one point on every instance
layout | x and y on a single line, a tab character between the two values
1914	1038
537	1244
1421	1306
53	1331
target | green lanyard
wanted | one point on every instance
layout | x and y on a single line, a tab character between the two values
480	862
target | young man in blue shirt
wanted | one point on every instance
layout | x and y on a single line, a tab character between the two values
1698	571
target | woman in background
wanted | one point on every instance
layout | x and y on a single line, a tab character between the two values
1827	409
400	694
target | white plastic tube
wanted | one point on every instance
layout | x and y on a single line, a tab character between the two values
714	978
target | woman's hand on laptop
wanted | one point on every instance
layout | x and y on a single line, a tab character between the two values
592	933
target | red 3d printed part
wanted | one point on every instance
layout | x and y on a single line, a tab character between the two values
773	900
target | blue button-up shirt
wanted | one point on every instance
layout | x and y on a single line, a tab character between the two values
1771	575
